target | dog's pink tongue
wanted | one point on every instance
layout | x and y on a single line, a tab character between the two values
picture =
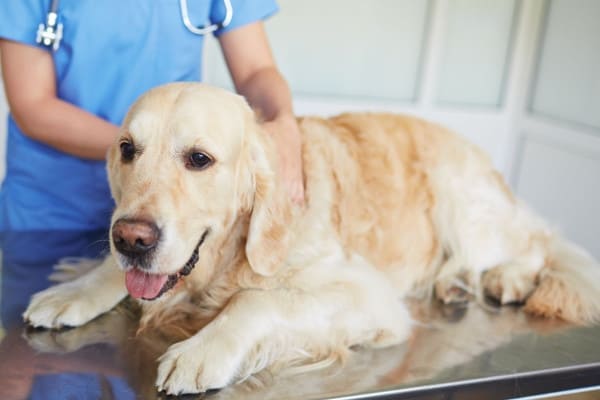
142	285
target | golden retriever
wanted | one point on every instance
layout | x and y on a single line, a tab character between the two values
396	206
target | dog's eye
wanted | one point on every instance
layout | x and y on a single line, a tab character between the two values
127	151
198	160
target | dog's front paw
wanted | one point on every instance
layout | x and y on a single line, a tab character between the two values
196	365
66	304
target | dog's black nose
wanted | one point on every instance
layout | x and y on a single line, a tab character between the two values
135	237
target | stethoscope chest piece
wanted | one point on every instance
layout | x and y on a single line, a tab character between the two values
50	33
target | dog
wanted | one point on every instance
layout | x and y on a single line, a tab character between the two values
396	207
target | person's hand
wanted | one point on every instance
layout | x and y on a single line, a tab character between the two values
286	135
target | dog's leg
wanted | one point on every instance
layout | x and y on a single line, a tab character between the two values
352	305
454	283
76	302
486	232
515	280
502	264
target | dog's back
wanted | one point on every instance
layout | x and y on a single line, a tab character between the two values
428	208
381	199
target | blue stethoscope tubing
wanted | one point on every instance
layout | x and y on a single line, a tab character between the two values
50	33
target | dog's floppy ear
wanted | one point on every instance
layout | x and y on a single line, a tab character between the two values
269	232
112	166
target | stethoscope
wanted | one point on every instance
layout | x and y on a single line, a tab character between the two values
50	33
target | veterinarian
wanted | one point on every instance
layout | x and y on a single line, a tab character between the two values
70	81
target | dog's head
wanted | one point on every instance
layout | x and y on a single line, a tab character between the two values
189	165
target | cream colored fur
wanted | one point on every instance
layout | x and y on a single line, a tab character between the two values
396	206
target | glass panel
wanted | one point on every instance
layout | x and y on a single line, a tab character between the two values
476	51
348	47
568	79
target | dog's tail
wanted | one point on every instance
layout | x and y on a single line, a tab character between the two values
569	285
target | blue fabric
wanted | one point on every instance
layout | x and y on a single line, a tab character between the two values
28	258
112	51
79	386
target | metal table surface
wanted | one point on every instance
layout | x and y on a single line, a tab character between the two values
468	352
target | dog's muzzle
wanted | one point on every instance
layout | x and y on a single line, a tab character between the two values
143	285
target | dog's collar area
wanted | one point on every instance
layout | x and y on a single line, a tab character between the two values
184	271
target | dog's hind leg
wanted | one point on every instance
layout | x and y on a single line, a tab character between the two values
76	302
454	283
489	237
515	280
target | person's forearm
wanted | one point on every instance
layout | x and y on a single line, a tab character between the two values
267	91
252	67
66	127
30	84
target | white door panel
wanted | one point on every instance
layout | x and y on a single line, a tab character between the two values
476	51
334	47
564	186
559	172
567	82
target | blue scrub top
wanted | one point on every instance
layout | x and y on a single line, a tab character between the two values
112	51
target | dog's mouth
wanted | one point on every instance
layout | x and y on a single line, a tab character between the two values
142	285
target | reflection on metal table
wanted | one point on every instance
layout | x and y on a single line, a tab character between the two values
458	352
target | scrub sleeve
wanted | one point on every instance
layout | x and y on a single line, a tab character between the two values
112	52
